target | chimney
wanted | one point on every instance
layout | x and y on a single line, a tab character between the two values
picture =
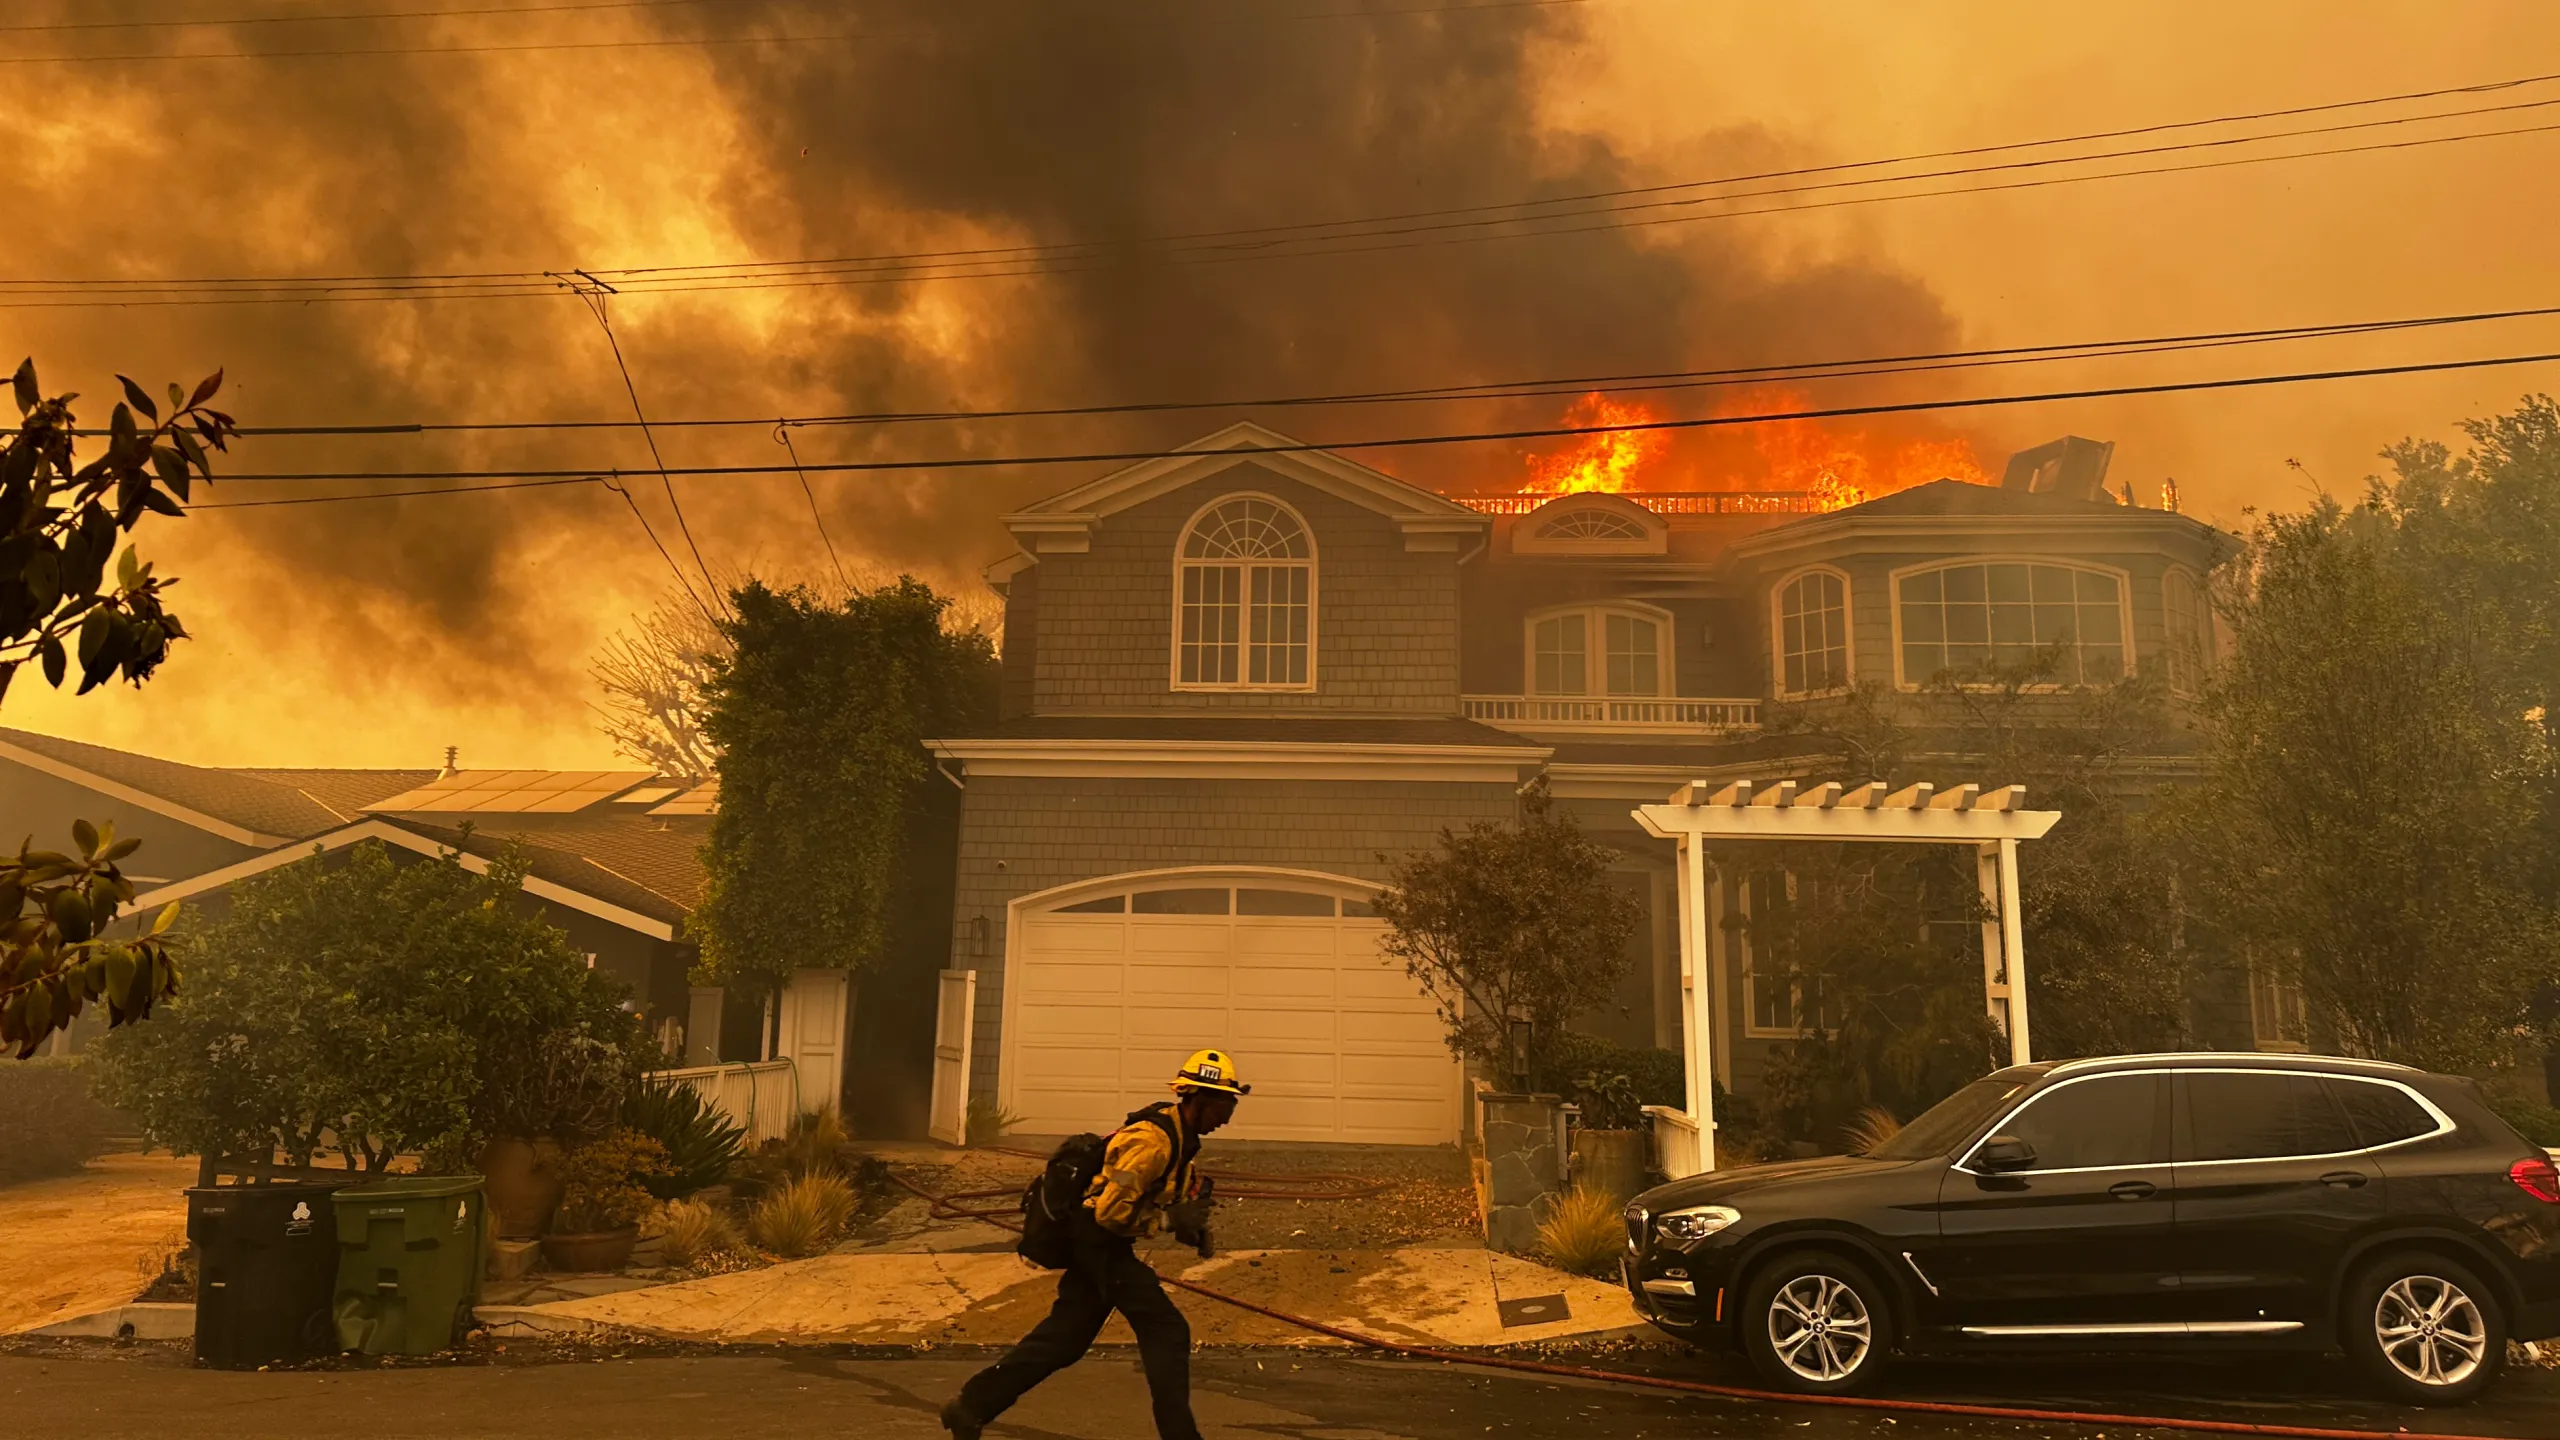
451	753
2070	467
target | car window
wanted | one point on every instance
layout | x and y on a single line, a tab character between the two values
1943	1126
2381	1114
2110	1120
2242	1115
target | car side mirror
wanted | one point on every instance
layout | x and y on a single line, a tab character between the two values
2003	1153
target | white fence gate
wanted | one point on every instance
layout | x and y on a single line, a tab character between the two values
815	1007
759	1098
947	1118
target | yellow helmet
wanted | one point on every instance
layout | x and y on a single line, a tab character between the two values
1209	1070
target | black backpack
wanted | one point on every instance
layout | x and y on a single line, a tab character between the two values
1050	1201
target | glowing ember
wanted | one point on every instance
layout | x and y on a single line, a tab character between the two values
1598	462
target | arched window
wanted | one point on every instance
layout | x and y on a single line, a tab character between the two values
1590	524
1604	650
2190	627
1962	618
1245	598
1813	633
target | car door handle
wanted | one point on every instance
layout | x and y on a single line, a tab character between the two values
2133	1189
2343	1179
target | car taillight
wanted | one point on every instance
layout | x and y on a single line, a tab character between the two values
2538	1178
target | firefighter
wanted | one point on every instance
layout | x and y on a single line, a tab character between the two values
1146	1181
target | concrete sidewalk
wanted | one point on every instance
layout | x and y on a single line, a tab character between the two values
1440	1297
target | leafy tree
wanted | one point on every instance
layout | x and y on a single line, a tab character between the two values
1511	922
372	1007
819	716
654	676
59	524
2378	820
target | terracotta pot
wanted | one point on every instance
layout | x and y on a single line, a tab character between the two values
594	1252
523	1183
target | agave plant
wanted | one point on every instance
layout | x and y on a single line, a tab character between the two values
700	1142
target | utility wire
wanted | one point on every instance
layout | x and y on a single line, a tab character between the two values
226	22
1920	362
594	294
782	432
1541	432
1292	239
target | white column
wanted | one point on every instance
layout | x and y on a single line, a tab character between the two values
1701	1022
1995	970
1720	975
2014	953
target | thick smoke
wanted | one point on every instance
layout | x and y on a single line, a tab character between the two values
972	123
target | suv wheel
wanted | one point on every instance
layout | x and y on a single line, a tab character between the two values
1815	1324
2425	1329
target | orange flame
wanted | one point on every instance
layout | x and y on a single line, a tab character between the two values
1598	462
1837	467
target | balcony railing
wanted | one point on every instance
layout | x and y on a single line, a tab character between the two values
1645	717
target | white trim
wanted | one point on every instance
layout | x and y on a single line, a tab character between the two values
1241	760
385	830
1655	539
2124	604
1244	600
157	805
2127	527
1595	655
2148	1327
1086	504
2444	1122
1778	634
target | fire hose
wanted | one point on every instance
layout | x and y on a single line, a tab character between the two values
959	1206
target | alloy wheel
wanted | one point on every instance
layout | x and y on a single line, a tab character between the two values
1819	1328
2430	1330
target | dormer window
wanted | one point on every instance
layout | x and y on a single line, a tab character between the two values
1602	650
1591	523
1244	598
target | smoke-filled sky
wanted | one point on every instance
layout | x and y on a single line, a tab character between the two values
376	633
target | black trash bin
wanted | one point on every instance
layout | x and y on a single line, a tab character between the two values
266	1266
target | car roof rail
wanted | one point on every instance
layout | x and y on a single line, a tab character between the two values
2254	1059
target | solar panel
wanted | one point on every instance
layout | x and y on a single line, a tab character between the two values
515	792
702	799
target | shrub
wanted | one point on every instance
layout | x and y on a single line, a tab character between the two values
49	1125
695	1232
1870	1128
702	1146
987	1122
802	1217
1660	1077
1582	1231
602	1185
813	1145
2534	1120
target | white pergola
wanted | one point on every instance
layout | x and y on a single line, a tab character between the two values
1991	821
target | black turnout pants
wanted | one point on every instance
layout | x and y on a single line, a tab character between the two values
1107	1276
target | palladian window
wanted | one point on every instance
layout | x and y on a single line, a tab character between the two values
1598	652
1813	634
1962	618
1245	599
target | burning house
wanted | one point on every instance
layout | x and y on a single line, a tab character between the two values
1236	685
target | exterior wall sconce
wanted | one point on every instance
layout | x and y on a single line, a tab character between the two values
978	929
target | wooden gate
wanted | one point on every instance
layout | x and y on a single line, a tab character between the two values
954	1012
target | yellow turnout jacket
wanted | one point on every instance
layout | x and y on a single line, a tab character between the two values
1145	1167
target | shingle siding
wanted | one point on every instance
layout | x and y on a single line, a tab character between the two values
1048	832
1386	619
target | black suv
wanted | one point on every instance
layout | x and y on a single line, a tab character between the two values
2192	1202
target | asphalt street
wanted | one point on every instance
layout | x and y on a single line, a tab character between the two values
76	1393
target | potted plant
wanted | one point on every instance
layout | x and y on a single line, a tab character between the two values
1608	1148
603	1196
559	1072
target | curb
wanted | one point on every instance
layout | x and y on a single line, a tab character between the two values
142	1320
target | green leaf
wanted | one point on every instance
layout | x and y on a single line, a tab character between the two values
205	389
194	449
25	382
39	1011
154	500
118	849
49	650
120	973
93	636
139	398
168	917
86	835
123	433
177	398
128	570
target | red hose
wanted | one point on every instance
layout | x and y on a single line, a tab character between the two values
946	1207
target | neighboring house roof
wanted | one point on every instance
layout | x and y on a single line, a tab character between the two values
554	874
345	793
1235	728
241	805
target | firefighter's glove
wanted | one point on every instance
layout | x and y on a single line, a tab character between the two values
1190	1222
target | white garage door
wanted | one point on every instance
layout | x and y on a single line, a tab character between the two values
1106	995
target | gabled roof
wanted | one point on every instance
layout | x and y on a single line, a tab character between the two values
1428	520
1975	512
249	807
1956	497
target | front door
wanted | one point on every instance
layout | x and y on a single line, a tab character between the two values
2079	1241
2271	1188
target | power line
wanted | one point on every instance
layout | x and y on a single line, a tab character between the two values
593	294
226	22
1920	362
1288	239
782	432
1542	432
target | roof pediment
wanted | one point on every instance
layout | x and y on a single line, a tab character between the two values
1064	522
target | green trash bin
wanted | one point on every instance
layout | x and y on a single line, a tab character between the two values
409	1262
